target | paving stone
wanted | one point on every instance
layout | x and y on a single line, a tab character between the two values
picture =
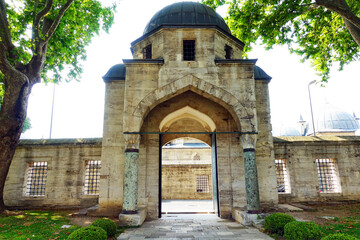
201	227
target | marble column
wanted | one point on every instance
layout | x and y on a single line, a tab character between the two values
131	173
248	142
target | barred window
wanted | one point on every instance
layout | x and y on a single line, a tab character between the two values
92	177
327	175
228	52
202	184
282	176
147	54
189	50
36	179
196	157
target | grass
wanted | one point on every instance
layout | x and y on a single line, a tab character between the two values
35	225
349	225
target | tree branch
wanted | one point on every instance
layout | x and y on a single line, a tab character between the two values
39	16
5	67
57	20
354	31
341	8
5	35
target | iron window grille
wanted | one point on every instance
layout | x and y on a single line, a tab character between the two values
189	50
327	175
282	176
36	179
202	184
228	52
92	177
147	52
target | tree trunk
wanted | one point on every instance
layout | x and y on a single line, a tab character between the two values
12	117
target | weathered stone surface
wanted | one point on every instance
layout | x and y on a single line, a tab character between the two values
66	160
132	219
300	154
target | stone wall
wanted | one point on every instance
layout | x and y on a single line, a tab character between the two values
113	147
180	168
179	181
66	159
300	154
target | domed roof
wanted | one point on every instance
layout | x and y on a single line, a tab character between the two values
332	119
116	72
186	14
260	74
288	131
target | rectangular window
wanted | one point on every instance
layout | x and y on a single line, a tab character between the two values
228	52
189	50
282	176
92	177
147	54
327	175
202	184
36	179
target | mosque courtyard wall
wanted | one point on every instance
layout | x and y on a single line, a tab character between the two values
67	159
59	168
303	155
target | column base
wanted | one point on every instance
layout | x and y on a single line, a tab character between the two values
246	218
134	219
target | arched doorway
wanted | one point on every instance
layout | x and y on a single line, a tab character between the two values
188	179
193	116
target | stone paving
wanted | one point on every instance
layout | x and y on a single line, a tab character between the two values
187	226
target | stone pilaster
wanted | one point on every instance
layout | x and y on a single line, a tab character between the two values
248	142
131	173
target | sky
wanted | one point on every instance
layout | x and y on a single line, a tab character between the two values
79	106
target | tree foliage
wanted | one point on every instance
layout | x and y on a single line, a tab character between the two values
66	47
40	40
322	31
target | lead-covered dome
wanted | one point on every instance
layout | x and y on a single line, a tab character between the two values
332	119
186	14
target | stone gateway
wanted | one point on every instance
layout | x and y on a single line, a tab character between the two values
187	79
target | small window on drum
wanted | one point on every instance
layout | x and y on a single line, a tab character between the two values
228	52
189	50
147	52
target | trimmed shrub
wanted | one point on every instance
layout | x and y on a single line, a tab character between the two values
90	232
339	236
106	224
302	231
275	222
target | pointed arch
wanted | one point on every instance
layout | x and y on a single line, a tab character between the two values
188	112
244	116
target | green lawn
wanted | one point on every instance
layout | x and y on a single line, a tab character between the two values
35	225
348	225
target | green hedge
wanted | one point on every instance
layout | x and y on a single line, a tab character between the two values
106	224
87	233
275	222
302	231
339	236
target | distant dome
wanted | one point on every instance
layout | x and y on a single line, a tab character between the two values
332	119
186	14
289	131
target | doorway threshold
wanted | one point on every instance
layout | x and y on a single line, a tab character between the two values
187	212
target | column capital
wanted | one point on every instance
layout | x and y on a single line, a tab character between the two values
132	141
248	141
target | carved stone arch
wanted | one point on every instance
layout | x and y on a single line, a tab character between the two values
244	117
